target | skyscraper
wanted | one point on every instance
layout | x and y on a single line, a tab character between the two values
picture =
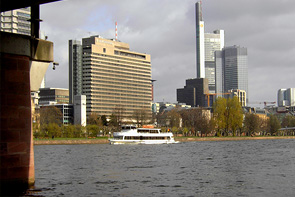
231	65
286	97
206	45
16	21
75	69
113	77
200	37
213	42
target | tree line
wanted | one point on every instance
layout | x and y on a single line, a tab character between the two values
227	119
48	124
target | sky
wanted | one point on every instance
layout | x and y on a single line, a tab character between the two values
165	29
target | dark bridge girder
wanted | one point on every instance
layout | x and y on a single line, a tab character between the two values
6	5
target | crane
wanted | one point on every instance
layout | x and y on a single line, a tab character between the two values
264	102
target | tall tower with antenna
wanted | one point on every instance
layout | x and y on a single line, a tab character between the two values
200	41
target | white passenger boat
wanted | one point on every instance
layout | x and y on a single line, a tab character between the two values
132	135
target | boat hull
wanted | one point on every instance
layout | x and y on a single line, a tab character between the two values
115	141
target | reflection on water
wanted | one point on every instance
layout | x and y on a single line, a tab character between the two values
229	168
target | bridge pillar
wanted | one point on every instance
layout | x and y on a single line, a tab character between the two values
19	55
17	155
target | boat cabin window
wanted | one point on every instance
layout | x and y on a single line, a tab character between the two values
148	131
146	138
128	127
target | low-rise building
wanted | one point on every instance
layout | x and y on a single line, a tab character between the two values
240	94
194	92
80	110
66	111
55	95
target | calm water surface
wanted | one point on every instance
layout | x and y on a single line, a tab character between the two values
229	168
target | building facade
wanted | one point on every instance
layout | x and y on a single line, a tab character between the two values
200	41
75	69
213	42
231	65
66	111
16	21
113	78
286	97
206	45
194	92
80	110
53	95
240	94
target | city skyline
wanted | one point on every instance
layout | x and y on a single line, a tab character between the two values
168	34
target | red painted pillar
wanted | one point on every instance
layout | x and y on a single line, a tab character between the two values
16	147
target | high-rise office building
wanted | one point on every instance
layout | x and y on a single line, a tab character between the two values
16	21
231	65
213	42
200	40
206	45
113	77
286	97
75	69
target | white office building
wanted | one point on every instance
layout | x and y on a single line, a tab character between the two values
16	21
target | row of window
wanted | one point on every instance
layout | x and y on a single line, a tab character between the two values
143	65
114	69
115	73
129	54
117	78
126	108
118	81
115	66
125	111
136	96
114	102
130	81
116	57
145	138
98	91
102	98
24	14
117	86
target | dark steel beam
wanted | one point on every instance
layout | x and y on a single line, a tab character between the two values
6	5
35	21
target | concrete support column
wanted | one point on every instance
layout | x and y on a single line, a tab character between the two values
23	63
16	155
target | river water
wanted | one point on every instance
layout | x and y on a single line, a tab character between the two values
223	168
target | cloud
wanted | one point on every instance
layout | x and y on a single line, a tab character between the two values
166	30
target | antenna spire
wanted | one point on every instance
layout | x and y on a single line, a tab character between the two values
201	9
116	31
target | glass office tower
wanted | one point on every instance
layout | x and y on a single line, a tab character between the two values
213	42
231	65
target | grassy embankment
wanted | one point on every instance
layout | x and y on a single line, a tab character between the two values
59	141
104	140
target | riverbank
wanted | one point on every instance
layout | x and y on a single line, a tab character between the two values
70	141
180	139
